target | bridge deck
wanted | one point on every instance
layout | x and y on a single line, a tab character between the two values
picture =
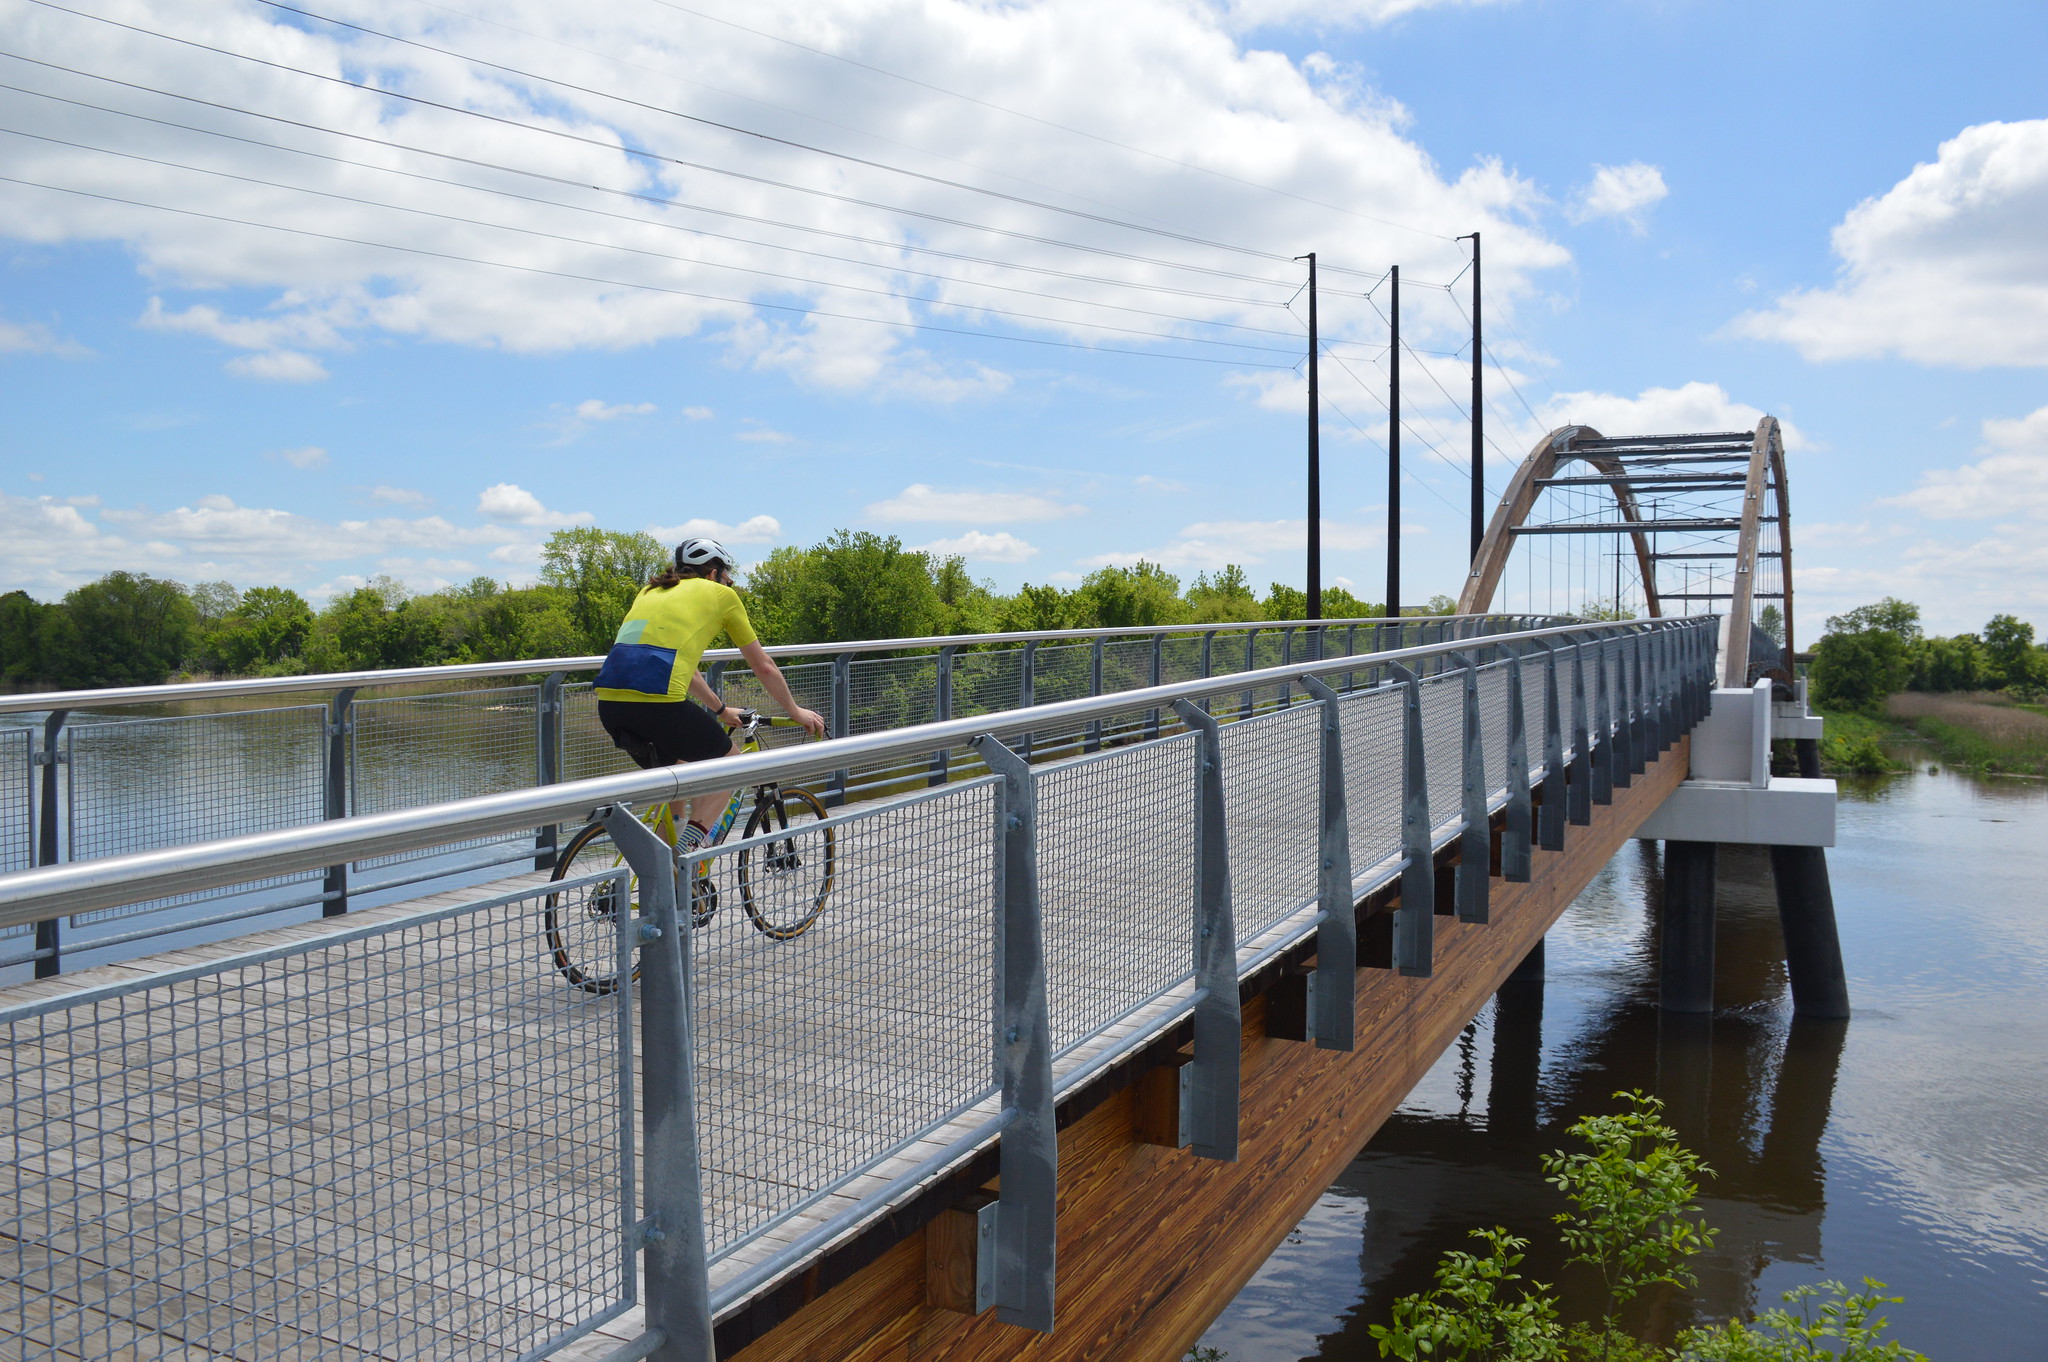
244	1263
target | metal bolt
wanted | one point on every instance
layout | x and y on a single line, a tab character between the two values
1015	820
1329	863
653	1233
649	932
1010	1036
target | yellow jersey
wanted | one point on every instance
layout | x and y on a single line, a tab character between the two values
664	637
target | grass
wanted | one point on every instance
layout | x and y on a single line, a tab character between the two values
1981	730
1854	742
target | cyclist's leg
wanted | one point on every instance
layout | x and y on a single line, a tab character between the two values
706	809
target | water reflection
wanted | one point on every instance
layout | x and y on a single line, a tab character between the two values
1906	1144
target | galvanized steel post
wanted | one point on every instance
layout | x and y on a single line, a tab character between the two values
49	932
1026	1224
943	707
1336	1005
1624	764
1579	793
1475	841
1208	662
334	794
1093	742
547	760
1286	660
1215	1076
1158	668
1550	814
1415	920
1603	726
1517	835
840	722
1027	690
675	1268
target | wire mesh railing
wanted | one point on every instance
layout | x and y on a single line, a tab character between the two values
416	1131
396	1140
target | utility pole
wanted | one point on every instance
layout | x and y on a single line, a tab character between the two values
1478	415
1315	456
1394	449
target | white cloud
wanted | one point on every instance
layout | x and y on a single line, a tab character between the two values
921	502
758	529
1213	543
764	435
1949	266
697	413
1625	192
33	338
592	409
1694	406
1180	80
509	503
279	366
981	547
303	457
2011	480
398	496
1251	14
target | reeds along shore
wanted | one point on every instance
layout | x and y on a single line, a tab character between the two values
1981	729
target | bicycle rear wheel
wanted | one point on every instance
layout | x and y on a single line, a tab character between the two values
784	883
582	924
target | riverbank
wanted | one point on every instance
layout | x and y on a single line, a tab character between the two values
1981	731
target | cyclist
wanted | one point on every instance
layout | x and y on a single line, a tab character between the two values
652	700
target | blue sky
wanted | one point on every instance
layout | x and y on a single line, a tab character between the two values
1693	213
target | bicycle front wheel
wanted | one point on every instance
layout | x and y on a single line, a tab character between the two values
784	883
582	924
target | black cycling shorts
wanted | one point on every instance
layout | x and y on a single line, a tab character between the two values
655	734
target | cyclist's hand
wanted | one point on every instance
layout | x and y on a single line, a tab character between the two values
812	723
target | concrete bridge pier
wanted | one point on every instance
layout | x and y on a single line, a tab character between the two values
1685	968
1813	948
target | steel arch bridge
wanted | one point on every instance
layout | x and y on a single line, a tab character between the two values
1704	518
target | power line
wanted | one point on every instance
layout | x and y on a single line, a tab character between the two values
1049	123
634	284
578	208
680	259
1381	446
638	196
628	149
766	137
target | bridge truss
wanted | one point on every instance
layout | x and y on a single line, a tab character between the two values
1654	525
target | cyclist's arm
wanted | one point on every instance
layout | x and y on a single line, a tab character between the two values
770	677
701	692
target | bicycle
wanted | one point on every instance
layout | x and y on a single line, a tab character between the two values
782	889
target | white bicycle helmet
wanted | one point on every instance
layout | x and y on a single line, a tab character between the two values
696	553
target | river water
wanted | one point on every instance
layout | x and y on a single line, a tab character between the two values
1908	1144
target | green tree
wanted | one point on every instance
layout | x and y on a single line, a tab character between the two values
856	585
265	631
965	605
126	629
2009	648
22	622
1633	1216
602	570
1480	1311
1857	670
1340	604
1955	663
348	635
1225	598
1900	619
1284	602
1136	597
1771	620
1038	607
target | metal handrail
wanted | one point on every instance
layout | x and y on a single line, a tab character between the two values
84	886
40	701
